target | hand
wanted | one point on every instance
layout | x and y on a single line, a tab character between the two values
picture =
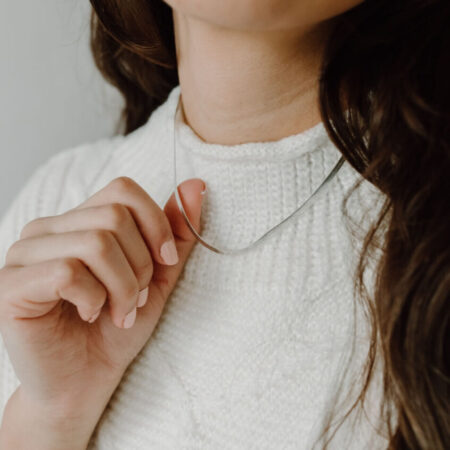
72	282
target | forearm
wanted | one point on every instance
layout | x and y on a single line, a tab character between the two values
27	426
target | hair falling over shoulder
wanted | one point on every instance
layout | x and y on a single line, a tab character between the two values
385	102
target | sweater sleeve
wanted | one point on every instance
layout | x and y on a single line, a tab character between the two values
57	185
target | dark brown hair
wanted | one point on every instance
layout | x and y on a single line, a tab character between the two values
388	60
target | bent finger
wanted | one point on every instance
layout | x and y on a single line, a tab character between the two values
113	217
99	251
34	290
150	218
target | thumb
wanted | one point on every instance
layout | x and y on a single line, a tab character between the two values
164	277
191	198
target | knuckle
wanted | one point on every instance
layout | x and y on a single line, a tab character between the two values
131	290
118	215
123	184
15	246
99	242
29	228
102	297
95	301
161	223
144	273
99	300
66	272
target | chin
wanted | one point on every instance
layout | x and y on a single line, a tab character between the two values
262	14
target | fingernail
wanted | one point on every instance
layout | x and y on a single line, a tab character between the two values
94	317
169	253
204	189
129	319
142	299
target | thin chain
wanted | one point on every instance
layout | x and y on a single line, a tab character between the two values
230	251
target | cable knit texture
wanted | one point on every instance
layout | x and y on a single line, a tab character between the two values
250	348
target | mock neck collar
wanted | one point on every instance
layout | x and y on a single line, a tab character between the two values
286	148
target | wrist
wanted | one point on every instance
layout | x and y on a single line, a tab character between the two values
28	425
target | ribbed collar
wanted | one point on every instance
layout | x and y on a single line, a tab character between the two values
286	148
253	186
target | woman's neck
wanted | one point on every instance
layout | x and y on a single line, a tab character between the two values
240	86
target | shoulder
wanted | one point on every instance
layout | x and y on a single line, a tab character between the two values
51	185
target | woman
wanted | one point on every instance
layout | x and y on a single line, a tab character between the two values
311	339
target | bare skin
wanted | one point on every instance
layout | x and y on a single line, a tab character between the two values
249	69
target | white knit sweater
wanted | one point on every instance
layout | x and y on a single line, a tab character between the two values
250	348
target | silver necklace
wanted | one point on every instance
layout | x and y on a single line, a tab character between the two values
230	251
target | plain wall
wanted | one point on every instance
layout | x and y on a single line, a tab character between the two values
51	95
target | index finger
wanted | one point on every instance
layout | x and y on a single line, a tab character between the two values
150	219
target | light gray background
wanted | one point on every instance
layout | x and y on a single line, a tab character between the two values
51	95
